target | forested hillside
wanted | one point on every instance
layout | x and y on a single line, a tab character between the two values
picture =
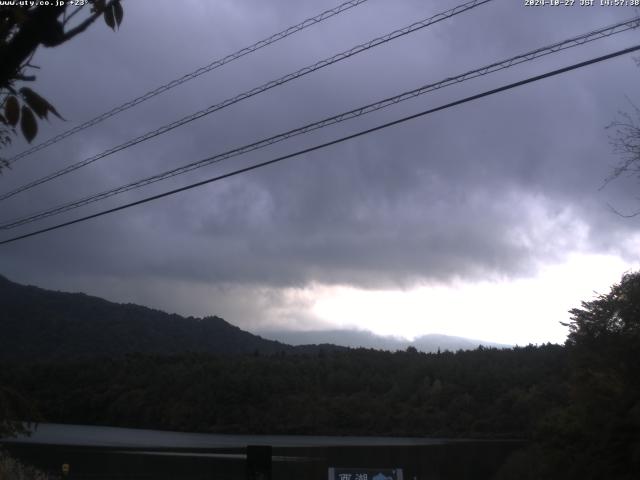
577	404
486	392
41	324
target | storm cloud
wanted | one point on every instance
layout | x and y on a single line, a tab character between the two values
493	189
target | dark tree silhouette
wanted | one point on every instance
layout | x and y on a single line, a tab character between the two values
596	433
23	29
614	316
604	342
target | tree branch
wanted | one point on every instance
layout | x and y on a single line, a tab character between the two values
37	29
26	78
85	24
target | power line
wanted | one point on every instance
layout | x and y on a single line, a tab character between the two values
190	76
529	56
255	91
333	142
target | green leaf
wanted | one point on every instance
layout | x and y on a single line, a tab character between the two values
109	18
118	12
28	124
38	104
12	110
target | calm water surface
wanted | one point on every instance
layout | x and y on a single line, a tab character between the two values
123	453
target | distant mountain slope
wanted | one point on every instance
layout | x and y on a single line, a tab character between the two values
362	338
44	324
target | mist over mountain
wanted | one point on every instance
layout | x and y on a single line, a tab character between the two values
362	338
39	324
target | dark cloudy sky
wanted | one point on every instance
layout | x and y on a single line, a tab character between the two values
484	220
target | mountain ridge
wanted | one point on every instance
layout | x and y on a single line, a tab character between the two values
41	324
354	338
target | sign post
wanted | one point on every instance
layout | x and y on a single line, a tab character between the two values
338	473
259	462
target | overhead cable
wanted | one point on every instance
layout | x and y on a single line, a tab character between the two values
190	76
255	91
372	107
327	144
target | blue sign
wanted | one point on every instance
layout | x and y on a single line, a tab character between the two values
337	473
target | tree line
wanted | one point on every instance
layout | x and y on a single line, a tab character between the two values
577	404
481	393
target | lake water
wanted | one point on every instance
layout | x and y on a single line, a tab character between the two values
122	453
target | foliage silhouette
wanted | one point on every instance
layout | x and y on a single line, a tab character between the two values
24	28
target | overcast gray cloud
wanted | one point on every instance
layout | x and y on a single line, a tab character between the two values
490	189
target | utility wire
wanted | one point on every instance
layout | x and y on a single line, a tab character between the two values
190	76
525	57
255	91
333	142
